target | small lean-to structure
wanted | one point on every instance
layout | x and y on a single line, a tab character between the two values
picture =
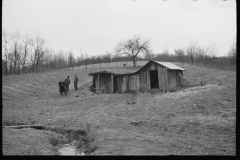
153	75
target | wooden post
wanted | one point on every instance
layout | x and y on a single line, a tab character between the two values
97	83
148	81
124	84
111	83
184	79
166	80
159	78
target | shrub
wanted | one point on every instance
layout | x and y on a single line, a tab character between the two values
53	141
11	122
84	137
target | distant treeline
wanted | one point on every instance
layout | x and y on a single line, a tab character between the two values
26	54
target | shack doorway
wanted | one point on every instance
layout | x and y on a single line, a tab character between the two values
115	84
154	79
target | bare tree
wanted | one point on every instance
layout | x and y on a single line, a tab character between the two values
47	60
79	60
232	54
180	53
198	54
165	55
71	59
37	45
99	59
55	61
61	59
26	43
191	51
19	62
203	54
149	55
132	47
86	59
16	48
212	54
32	55
51	56
115	57
108	57
5	51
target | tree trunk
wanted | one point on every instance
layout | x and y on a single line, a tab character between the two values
134	62
191	60
32	67
18	67
14	67
6	68
10	70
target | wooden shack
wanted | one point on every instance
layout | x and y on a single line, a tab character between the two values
153	75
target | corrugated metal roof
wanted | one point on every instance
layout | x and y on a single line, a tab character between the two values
169	65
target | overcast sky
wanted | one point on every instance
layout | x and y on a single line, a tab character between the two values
97	26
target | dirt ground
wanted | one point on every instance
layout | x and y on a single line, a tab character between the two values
199	120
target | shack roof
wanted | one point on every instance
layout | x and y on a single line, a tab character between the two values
169	65
116	71
133	70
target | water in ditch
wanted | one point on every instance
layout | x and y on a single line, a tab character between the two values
69	150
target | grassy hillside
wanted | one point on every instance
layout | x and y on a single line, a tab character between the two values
194	121
29	142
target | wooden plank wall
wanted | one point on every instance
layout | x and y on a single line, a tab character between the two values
172	79
134	82
179	78
119	81
105	83
127	83
162	78
124	84
145	76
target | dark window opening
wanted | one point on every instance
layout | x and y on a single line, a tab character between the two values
154	79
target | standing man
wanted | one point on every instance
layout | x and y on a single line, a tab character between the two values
75	82
67	81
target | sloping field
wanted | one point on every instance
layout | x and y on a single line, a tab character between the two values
194	121
28	142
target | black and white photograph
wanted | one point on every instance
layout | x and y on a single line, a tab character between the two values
119	77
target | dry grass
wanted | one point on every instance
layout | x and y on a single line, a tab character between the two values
30	142
195	121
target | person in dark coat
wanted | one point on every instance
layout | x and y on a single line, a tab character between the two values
67	83
75	82
62	87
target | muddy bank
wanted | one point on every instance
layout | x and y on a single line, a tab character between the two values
79	141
